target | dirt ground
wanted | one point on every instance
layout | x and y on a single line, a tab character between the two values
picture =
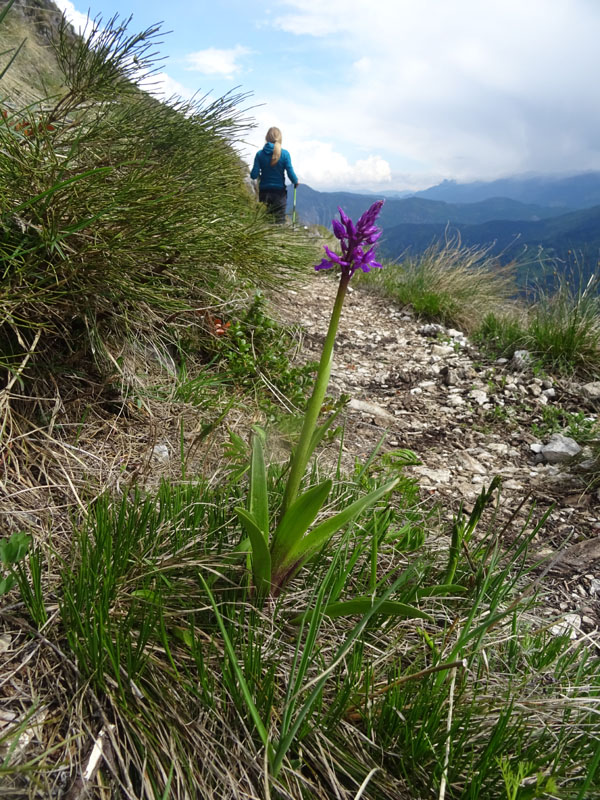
468	419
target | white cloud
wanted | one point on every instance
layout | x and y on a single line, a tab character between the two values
213	61
76	18
463	88
164	87
321	166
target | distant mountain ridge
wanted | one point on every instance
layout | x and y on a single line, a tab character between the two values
319	208
566	192
577	231
524	232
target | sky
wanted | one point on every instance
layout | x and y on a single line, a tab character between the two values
392	95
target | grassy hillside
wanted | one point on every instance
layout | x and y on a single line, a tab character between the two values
191	606
122	217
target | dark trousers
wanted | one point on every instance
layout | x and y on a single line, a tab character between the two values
275	200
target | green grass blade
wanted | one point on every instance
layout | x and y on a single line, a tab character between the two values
317	537
260	727
6	9
322	430
444	590
13	57
261	557
361	605
258	500
592	769
372	456
344	648
62	185
297	520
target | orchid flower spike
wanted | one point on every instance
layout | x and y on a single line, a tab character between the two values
352	239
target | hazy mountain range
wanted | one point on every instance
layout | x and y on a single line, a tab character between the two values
566	192
522	219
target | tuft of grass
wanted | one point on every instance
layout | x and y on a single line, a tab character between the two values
124	222
448	283
153	636
564	328
502	333
561	329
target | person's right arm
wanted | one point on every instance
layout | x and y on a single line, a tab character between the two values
255	169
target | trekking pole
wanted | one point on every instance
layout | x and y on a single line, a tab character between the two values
294	209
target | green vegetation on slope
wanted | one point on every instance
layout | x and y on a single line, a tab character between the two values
392	666
122	216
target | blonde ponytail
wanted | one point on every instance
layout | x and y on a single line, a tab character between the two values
274	136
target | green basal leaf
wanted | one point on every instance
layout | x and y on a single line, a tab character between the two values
184	635
362	605
147	594
242	548
297	520
261	557
258	499
319	535
444	590
12	550
6	584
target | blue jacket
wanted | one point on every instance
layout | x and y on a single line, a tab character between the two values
272	177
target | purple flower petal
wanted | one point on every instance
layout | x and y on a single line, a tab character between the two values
352	240
333	256
343	216
325	264
338	229
369	217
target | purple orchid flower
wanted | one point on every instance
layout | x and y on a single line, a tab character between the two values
352	239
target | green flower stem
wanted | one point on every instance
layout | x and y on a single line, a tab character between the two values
302	452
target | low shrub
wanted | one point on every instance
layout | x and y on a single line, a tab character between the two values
254	351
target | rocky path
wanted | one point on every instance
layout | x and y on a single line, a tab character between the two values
426	388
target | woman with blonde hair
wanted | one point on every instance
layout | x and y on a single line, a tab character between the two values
270	166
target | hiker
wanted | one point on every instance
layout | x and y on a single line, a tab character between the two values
271	163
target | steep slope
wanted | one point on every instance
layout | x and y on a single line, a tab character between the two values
34	74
